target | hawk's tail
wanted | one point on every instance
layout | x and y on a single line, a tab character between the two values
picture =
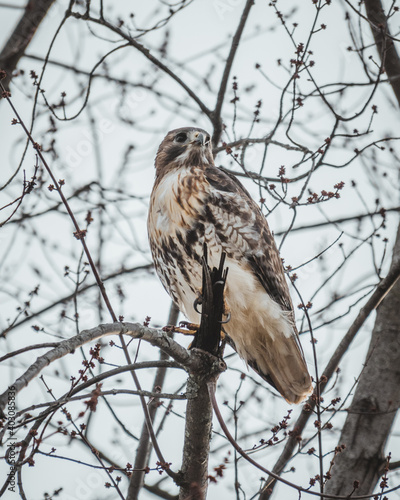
281	363
286	370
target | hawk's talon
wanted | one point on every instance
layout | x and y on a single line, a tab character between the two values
228	318
196	303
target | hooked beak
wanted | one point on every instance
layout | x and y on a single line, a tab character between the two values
200	139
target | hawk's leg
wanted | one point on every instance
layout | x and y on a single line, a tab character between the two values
184	331
187	328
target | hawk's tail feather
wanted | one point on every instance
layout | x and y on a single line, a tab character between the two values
283	366
292	392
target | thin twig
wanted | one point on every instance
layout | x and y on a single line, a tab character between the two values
146	52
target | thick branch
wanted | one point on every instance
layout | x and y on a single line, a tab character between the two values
22	35
194	472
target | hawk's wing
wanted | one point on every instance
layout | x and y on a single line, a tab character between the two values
257	243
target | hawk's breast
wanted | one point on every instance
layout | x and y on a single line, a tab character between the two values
176	233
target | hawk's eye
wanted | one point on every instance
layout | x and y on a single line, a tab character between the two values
181	137
208	139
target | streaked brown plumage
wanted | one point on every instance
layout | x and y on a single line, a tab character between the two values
193	201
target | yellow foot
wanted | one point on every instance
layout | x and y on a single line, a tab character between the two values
185	328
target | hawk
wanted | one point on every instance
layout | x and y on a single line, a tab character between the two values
194	202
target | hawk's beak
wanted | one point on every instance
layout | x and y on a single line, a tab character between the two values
200	139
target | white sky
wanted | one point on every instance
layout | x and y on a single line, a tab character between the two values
194	33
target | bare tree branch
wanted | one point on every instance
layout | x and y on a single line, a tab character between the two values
16	45
211	389
384	44
196	449
80	235
146	52
155	337
216	114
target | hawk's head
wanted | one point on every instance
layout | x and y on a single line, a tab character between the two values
184	146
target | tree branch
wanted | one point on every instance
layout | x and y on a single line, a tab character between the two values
351	218
216	114
154	337
146	52
15	46
384	44
368	421
211	389
80	235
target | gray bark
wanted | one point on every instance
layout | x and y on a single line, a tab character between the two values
135	330
197	440
375	402
194	472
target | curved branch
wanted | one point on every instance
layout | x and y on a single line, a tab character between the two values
146	52
135	330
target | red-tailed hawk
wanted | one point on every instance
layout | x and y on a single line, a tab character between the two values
193	202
